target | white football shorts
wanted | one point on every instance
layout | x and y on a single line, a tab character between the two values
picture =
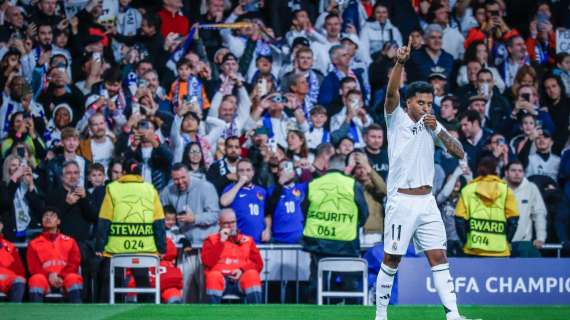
416	217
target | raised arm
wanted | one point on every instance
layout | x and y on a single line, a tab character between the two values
392	93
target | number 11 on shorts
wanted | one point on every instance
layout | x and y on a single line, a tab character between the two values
394	233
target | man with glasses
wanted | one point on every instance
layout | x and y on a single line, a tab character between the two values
232	262
430	56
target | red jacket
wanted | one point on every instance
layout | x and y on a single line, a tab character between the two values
176	23
476	34
231	255
10	258
531	46
53	253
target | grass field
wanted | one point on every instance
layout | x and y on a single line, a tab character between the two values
271	312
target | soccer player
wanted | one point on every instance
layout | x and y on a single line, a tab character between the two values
411	210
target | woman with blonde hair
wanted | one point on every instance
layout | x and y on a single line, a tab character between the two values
19	199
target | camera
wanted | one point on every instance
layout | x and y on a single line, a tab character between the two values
279	99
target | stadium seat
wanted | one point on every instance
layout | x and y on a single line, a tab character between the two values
343	265
134	261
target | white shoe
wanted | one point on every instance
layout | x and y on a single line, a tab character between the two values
381	316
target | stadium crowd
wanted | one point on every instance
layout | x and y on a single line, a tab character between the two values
241	104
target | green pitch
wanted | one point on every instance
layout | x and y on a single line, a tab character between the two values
270	312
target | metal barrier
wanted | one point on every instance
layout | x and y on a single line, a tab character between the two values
288	262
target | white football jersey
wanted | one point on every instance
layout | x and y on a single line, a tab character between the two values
411	149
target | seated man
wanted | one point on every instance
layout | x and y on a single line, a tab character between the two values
231	261
12	272
53	261
170	276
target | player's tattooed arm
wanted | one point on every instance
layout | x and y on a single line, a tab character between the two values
452	145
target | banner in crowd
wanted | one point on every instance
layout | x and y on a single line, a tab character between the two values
489	281
562	41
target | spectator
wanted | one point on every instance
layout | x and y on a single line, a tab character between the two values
477	51
452	40
352	120
146	211
318	133
303	64
155	157
541	44
340	60
193	159
70	142
224	171
555	98
381	30
239	273
543	162
517	58
20	199
325	236
447	200
498	148
431	55
532	213
53	261
13	283
196	203
486	215
172	19
449	112
375	150
527	101
524	144
438	80
497	109
234	111
78	215
374	192
62	118
345	146
19	100
276	119
248	202
321	48
14	23
22	131
284	206
563	69
494	31
100	145
474	137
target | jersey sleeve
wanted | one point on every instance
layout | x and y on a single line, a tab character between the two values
393	118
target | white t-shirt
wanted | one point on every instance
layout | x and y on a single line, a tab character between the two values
411	150
102	152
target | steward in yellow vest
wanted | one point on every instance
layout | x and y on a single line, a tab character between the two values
486	214
131	219
336	209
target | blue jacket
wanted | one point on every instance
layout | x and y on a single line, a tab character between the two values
420	65
330	89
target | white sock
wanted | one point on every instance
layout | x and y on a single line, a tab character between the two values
384	283
444	286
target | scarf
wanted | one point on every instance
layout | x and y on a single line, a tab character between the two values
350	74
194	90
314	86
21	208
